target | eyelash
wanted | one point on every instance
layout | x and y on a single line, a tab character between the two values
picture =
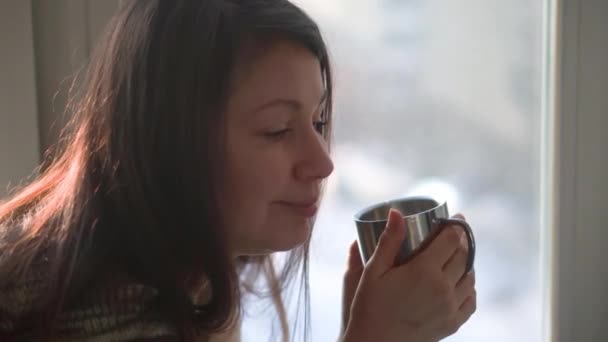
318	125
277	134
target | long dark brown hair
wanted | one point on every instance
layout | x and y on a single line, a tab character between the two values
133	184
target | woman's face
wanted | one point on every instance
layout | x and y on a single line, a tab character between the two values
276	156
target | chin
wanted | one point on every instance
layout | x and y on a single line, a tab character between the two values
282	240
286	243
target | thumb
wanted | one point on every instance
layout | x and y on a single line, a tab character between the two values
389	244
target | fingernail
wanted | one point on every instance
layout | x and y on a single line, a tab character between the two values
394	214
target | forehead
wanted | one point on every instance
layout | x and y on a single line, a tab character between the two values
282	70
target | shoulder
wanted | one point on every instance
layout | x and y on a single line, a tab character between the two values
19	287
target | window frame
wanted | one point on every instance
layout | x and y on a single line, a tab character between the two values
572	182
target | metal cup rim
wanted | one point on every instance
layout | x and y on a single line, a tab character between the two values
358	214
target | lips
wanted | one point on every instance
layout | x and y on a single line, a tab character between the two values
305	208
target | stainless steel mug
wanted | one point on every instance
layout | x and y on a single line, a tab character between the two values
424	218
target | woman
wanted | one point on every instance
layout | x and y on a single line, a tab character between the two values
198	148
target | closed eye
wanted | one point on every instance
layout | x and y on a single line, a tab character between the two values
277	134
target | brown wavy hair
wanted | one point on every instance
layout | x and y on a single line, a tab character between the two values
132	185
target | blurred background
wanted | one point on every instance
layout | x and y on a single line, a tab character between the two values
433	97
439	98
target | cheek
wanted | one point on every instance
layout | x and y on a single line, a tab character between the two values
255	181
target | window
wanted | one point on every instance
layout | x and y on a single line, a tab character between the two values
439	98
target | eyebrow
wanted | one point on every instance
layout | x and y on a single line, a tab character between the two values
294	104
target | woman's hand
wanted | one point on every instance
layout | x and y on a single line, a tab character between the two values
423	300
354	270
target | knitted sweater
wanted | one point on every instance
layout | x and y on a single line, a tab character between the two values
119	313
123	311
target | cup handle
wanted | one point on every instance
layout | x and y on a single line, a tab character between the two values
442	222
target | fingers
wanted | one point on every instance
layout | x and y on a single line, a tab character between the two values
443	247
467	309
467	297
459	216
389	244
465	288
455	267
354	270
354	262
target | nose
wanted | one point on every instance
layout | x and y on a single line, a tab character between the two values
315	162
